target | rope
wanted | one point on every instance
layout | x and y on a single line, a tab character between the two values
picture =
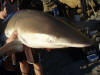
92	8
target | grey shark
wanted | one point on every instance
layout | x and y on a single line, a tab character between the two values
38	30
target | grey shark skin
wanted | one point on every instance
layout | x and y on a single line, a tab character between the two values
38	30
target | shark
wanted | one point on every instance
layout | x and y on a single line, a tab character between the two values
40	30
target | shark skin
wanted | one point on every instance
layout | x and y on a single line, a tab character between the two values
38	30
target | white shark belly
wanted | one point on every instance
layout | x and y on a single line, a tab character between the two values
37	40
40	41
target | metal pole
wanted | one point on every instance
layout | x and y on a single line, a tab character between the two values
84	6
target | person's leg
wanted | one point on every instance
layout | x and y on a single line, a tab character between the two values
38	68
32	59
24	68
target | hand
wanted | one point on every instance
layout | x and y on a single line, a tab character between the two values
13	37
12	44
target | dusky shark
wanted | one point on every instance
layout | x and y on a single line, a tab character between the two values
38	30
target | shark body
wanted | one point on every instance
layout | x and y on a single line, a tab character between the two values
38	30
